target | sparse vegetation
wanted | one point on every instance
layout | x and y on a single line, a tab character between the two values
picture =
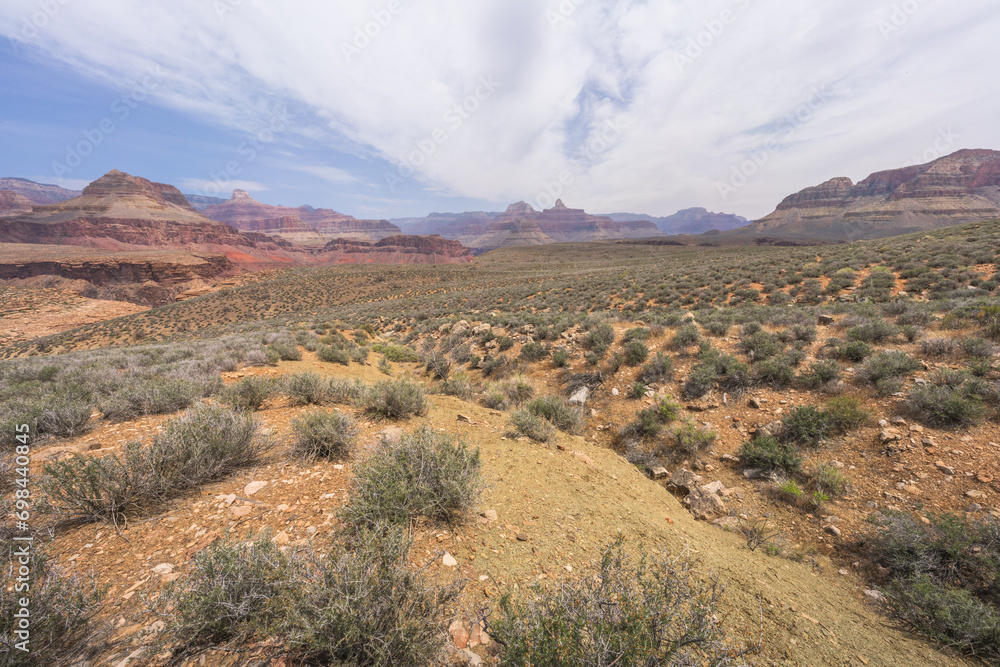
327	434
394	399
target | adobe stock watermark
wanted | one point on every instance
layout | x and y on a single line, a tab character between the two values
562	13
31	26
248	150
122	107
714	28
609	133
365	34
899	15
224	7
740	174
454	118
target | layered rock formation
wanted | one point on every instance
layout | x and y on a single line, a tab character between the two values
522	225
958	188
400	249
688	221
123	212
38	193
12	203
304	225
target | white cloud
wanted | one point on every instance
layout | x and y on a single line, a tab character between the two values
685	115
329	174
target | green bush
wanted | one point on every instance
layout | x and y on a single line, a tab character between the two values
820	374
560	358
650	421
204	444
505	342
422	473
60	607
854	350
637	390
776	372
807	425
533	352
396	353
599	337
394	399
686	336
760	345
846	413
828	480
557	412
334	355
249	393
945	405
768	452
438	365
693	441
153	396
872	331
324	434
658	369
635	352
287	350
885	370
524	422
306	388
653	611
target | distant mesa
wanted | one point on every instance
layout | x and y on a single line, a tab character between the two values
11	203
955	189
38	193
688	221
305	225
522	225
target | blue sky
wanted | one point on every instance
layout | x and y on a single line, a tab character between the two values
392	108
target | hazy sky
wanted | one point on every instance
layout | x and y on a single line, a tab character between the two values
402	107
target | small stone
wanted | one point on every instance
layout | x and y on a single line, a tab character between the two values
521	537
580	396
241	510
685	479
984	478
468	658
253	487
875	595
615	392
825	320
281	539
459	635
842	572
974	507
163	568
948	470
659	472
975	494
837	464
755	403
489	515
448	560
833	530
463	418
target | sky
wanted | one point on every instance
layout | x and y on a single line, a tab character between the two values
394	108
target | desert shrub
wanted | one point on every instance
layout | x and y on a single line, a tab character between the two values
872	331
615	362
60	606
807	425
422	473
854	350
760	345
846	413
637	390
789	490
334	355
716	368
394	399
325	434
557	411
204	444
766	451
655	611
236	590
461	354
945	405
560	358
658	369
989	319
686	336
287	350
650	421
499	367
396	353
635	352
911	333
438	365
533	352
152	396
457	387
64	416
306	388
637	333
776	372
249	393
693	441
939	347
700	381
885	369
344	391
977	347
942	576
828	480
364	605
820	374
524	422
599	338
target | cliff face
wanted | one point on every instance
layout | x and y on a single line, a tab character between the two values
299	224
958	188
396	250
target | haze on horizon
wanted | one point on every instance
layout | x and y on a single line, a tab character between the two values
394	108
